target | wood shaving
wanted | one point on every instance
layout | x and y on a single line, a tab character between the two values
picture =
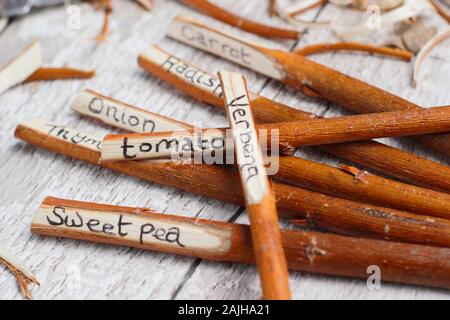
423	53
21	67
23	275
46	74
409	10
416	35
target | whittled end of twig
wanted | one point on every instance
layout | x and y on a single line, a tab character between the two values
49	74
21	67
23	275
359	174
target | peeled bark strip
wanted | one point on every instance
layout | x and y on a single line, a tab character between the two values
229	242
299	72
227	17
354	46
21	67
425	50
47	74
346	182
23	275
221	183
359	185
370	154
258	194
288	135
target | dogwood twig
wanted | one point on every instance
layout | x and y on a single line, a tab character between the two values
258	194
222	183
218	13
314	252
345	182
205	87
423	53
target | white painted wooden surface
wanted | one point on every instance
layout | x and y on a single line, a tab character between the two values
80	270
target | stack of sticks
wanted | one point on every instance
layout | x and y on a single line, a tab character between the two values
360	219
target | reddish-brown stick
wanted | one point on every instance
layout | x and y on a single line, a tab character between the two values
258	194
46	74
370	154
346	182
313	252
312	78
227	17
290	135
221	183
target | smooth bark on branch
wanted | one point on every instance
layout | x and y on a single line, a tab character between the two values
370	154
288	135
258	194
312	78
230	242
345	182
221	183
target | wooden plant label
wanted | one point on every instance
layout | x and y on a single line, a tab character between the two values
21	67
171	144
128	226
64	133
259	197
243	53
248	153
183	70
122	115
